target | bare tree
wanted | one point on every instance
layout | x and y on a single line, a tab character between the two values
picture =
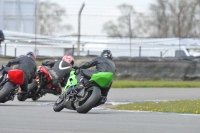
51	19
130	24
173	18
168	18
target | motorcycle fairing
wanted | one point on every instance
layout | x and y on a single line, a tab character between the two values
45	71
16	76
72	81
103	79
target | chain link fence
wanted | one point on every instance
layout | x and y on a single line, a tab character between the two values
125	36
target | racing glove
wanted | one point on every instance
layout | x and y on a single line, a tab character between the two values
75	67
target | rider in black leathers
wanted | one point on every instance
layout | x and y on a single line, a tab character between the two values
59	70
103	63
28	65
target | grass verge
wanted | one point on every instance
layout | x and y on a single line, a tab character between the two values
179	106
155	84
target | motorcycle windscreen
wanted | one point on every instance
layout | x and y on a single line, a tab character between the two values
103	79
16	76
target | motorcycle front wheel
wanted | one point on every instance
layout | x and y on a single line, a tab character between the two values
59	105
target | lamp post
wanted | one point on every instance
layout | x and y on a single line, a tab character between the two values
130	31
79	27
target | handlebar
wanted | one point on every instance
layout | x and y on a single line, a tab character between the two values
77	71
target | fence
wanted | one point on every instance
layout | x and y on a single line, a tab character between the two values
120	47
131	35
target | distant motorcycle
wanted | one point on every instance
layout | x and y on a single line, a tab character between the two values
43	80
10	80
88	97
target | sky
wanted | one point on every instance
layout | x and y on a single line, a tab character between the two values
100	11
103	7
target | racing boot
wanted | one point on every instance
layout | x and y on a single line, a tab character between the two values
102	100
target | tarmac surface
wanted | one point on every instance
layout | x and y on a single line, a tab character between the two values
39	117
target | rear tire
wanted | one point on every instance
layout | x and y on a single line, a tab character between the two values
91	101
5	91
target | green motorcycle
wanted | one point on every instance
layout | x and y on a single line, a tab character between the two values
88	97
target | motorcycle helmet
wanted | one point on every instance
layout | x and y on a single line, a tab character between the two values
106	54
32	55
69	59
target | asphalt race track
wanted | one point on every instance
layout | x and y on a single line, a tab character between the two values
39	117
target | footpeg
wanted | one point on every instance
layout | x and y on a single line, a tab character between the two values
12	98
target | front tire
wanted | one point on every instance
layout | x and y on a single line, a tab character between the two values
5	91
58	105
92	99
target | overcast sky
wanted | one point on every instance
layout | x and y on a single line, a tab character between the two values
92	25
101	6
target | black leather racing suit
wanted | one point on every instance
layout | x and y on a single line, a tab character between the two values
28	66
60	70
102	65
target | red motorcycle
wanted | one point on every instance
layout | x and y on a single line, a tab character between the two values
43	80
10	80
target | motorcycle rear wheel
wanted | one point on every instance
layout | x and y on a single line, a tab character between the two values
5	91
86	104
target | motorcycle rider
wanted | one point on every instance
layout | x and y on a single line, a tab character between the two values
28	65
103	63
59	70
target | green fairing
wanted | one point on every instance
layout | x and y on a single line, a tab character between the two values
71	81
103	79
